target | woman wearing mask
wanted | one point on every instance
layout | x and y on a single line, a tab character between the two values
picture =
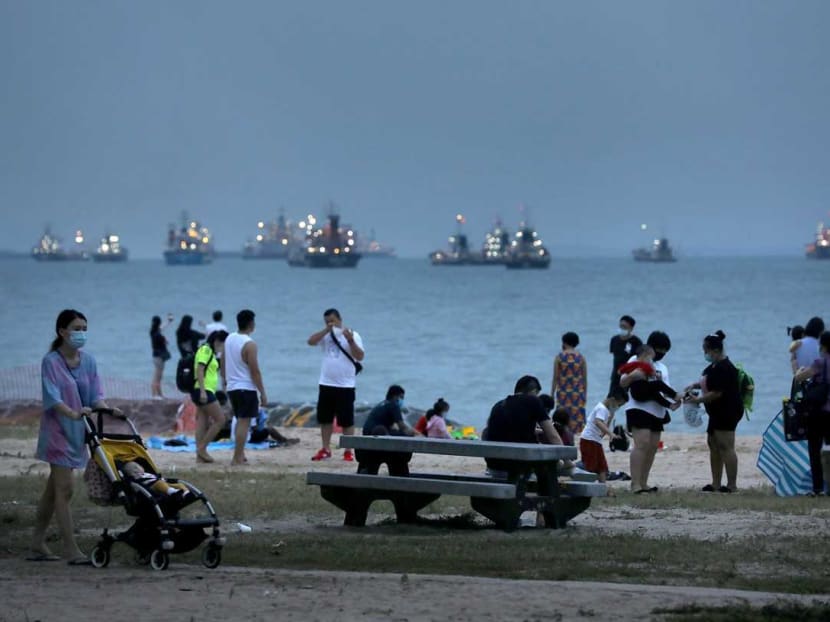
719	391
71	389
160	353
187	339
209	416
645	420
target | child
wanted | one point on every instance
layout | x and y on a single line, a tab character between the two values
652	388
436	426
597	425
440	408
151	482
561	421
797	334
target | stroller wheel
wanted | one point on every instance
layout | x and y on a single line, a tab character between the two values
142	559
159	560
212	556
100	556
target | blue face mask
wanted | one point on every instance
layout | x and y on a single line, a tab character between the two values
709	358
77	338
624	332
400	404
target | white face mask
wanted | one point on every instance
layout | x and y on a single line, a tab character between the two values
624	332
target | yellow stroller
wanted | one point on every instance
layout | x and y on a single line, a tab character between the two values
158	531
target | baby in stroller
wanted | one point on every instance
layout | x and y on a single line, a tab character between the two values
154	484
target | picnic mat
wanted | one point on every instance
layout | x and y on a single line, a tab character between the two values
157	442
786	464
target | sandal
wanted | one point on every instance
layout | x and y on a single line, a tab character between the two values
724	489
708	488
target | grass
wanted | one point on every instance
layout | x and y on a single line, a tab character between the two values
775	612
286	512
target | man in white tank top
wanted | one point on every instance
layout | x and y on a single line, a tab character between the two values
243	379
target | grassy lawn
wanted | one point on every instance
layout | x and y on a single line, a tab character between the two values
295	528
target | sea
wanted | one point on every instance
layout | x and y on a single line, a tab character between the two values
462	333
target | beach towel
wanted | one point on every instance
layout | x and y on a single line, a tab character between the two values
157	442
786	464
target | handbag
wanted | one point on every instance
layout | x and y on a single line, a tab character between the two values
357	366
817	392
98	486
795	421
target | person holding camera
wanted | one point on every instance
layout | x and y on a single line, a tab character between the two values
342	352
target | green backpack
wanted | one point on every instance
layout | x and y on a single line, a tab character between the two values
746	388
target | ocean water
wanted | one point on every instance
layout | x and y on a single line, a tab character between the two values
462	333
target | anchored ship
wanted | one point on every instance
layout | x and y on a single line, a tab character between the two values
660	252
190	244
375	250
331	246
110	250
50	248
820	248
274	240
458	253
527	251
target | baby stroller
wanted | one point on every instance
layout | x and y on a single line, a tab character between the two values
158	531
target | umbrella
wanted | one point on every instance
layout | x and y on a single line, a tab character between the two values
786	464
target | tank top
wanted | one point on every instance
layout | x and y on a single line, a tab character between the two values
237	374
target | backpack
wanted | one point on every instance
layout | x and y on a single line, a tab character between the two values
621	443
746	389
186	372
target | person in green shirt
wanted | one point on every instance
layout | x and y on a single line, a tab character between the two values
209	416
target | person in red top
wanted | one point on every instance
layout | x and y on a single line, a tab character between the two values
651	388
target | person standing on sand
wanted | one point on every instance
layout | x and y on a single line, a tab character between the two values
623	345
342	353
216	324
160	353
209	416
570	381
71	389
243	379
187	339
645	420
818	421
721	395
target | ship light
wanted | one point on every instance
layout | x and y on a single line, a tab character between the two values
541	252
184	245
346	250
284	242
312	220
205	240
322	249
113	238
79	237
452	238
824	243
259	237
105	248
336	251
519	234
302	224
537	243
312	249
193	225
192	247
260	225
350	233
351	242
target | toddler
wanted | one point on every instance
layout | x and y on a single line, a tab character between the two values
652	388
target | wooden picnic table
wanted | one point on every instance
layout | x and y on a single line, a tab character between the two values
531	481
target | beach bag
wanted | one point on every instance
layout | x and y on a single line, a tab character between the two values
98	486
795	421
186	372
746	389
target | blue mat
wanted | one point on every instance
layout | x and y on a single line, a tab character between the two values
157	442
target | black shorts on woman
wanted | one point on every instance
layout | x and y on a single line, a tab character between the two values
636	418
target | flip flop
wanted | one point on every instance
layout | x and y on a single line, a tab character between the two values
708	488
724	489
42	557
79	561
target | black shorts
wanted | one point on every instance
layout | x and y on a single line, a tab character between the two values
245	403
636	418
723	423
194	395
337	401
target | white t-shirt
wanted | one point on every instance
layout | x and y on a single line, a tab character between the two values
237	373
592	431
337	370
213	327
653	408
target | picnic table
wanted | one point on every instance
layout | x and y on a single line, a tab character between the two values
531	483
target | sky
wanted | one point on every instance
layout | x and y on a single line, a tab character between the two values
707	121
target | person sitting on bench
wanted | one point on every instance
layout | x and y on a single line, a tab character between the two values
386	419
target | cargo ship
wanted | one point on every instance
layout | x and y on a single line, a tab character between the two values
50	248
274	240
527	251
660	252
820	248
331	246
191	244
458	252
375	250
110	250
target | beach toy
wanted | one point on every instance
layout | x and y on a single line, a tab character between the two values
691	414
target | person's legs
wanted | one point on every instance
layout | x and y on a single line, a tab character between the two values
45	510
155	386
653	444
245	407
243	425
345	415
214	420
725	441
715	460
201	428
325	434
815	438
63	489
638	460
326	408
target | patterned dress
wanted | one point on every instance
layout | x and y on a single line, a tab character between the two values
61	439
570	388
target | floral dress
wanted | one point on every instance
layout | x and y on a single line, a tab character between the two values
61	439
570	388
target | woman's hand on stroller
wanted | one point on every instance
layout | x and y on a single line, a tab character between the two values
106	410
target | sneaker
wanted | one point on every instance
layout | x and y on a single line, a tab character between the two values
348	456
323	454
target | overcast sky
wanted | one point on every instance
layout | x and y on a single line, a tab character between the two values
706	120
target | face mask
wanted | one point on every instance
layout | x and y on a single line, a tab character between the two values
400	404
709	358
624	332
77	338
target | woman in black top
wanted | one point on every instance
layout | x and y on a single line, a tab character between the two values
187	339
160	353
720	394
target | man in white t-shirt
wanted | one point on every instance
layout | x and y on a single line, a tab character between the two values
342	352
216	324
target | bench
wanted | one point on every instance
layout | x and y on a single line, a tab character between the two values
501	500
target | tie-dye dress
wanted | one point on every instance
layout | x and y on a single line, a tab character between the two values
570	388
61	439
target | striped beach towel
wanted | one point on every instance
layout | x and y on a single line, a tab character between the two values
787	465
